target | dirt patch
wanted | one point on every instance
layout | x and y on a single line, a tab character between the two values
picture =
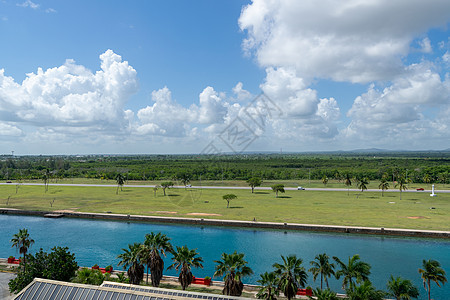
202	214
417	217
166	212
64	211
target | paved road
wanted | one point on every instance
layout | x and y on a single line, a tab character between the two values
4	289
224	187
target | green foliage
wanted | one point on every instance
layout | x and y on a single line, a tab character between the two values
88	276
320	294
59	264
233	267
432	271
402	289
254	182
278	188
131	259
291	275
22	242
183	260
228	198
365	291
165	185
354	269
321	266
269	286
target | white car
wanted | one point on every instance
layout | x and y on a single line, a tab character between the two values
301	188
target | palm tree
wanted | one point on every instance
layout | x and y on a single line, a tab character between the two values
432	271
321	265
402	289
365	291
325	180
154	246
401	184
228	198
384	185
22	241
362	184
120	179
354	269
348	183
278	188
327	294
183	260
254	182
427	178
291	275
234	267
269	286
131	258
166	185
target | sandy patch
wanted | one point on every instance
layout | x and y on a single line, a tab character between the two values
64	211
202	214
165	212
418	217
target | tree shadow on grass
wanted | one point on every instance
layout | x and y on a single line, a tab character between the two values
284	197
173	195
235	207
259	193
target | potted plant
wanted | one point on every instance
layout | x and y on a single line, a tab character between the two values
95	267
11	259
208	280
109	269
308	291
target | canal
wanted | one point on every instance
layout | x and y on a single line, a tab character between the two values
98	241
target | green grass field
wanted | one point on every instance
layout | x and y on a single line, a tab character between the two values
309	207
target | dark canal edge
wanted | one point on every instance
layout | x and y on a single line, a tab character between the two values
237	223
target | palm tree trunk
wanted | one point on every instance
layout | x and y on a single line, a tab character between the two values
321	279
429	290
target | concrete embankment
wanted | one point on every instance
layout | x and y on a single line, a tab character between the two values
234	223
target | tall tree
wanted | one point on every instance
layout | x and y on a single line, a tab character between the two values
278	188
432	271
321	266
362	184
234	267
383	186
185	178
155	245
183	260
291	274
402	289
401	185
348	182
165	185
22	242
325	180
228	198
269	286
354	269
254	182
131	259
120	180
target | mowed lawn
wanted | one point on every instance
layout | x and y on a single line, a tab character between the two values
308	207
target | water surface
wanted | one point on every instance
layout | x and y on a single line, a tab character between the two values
95	241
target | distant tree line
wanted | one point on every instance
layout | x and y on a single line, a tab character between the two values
435	169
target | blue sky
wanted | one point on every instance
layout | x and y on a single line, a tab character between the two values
176	76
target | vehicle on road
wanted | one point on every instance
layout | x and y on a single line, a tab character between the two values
301	188
9	181
420	189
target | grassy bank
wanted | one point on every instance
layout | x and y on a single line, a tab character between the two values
310	207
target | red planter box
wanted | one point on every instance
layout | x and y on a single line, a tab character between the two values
201	281
304	292
11	260
95	267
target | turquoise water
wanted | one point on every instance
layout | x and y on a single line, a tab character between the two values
100	242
